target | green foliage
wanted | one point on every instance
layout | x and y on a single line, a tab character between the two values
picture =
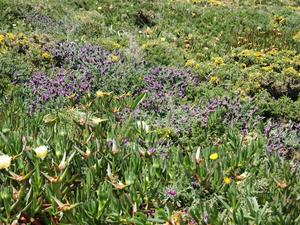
102	157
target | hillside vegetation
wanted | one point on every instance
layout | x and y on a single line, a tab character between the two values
149	112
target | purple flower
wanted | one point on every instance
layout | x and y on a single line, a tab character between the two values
151	151
171	193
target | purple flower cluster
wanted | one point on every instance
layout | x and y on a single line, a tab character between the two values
234	111
182	119
42	21
75	69
164	84
282	138
44	88
83	57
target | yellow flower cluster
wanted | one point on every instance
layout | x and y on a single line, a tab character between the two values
218	61
296	37
279	19
9	40
251	53
190	63
46	56
290	71
214	79
165	132
115	58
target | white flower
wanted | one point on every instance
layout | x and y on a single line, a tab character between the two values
115	149
143	125
41	151
5	161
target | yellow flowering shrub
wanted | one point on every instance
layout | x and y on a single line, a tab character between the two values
276	71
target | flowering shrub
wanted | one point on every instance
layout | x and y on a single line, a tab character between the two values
83	57
164	84
43	88
276	71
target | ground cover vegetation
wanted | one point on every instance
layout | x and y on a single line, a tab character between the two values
149	112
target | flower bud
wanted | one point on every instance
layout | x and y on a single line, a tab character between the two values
197	158
115	149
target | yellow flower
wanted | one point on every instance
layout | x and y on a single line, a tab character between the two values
218	61
1	39
214	79
117	45
279	19
227	180
41	151
273	51
46	56
190	63
214	156
115	58
102	94
5	161
258	54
